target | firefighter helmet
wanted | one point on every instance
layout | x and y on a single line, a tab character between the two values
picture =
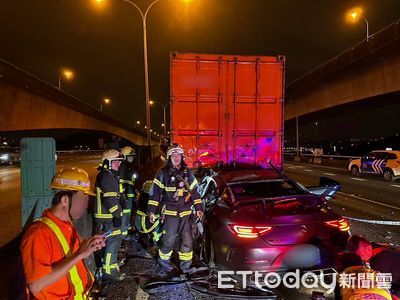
108	157
128	151
147	186
174	149
72	179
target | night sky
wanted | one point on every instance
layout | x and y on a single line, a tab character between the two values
103	45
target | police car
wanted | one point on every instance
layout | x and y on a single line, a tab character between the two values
381	162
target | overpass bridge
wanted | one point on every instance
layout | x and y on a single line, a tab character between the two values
29	103
369	69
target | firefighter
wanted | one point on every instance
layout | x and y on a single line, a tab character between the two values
175	190
108	213
51	250
127	178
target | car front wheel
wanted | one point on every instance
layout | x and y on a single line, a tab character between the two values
355	171
388	175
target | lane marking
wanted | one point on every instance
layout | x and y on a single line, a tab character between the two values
321	167
329	174
395	185
306	170
371	201
358	179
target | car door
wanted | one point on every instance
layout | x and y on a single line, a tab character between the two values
368	161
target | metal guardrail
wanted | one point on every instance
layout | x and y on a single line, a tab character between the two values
339	157
77	151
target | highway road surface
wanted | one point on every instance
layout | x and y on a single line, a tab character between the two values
368	198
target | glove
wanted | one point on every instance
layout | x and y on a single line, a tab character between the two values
117	222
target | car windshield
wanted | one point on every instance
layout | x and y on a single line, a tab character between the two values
266	189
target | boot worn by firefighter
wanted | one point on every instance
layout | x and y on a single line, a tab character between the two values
165	265
186	267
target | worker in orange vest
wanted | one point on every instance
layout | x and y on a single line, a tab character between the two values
52	252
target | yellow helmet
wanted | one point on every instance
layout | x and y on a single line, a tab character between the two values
109	156
147	186
128	151
72	179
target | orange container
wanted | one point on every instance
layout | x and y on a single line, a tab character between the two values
227	108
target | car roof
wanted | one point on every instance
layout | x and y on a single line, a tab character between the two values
235	176
388	151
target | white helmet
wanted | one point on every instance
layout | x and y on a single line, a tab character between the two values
174	149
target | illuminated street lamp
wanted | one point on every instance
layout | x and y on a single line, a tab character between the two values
144	14
66	74
354	15
164	106
106	101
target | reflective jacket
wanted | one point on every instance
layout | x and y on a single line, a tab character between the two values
127	182
177	189
107	204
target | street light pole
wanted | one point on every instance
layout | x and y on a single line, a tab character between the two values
164	106
146	66
366	23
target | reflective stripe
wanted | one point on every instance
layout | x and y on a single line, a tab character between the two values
170	213
165	256
110	194
103	216
139	212
98	192
194	183
153	202
124	232
186	256
157	182
114	208
107	267
73	272
126	211
185	213
130	182
156	236
170	188
197	201
130	195
155	224
115	232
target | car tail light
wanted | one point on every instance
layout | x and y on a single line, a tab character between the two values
249	232
341	224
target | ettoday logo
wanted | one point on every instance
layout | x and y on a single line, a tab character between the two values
272	280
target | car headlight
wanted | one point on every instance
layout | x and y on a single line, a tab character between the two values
4	156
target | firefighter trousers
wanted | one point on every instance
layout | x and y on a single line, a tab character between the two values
173	227
126	217
109	254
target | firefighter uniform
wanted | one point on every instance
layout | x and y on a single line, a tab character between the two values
176	189
127	191
108	214
127	181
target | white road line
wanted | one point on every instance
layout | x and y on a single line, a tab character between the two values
371	201
306	170
319	166
358	179
395	185
330	174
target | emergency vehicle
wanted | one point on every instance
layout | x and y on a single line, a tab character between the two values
378	162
